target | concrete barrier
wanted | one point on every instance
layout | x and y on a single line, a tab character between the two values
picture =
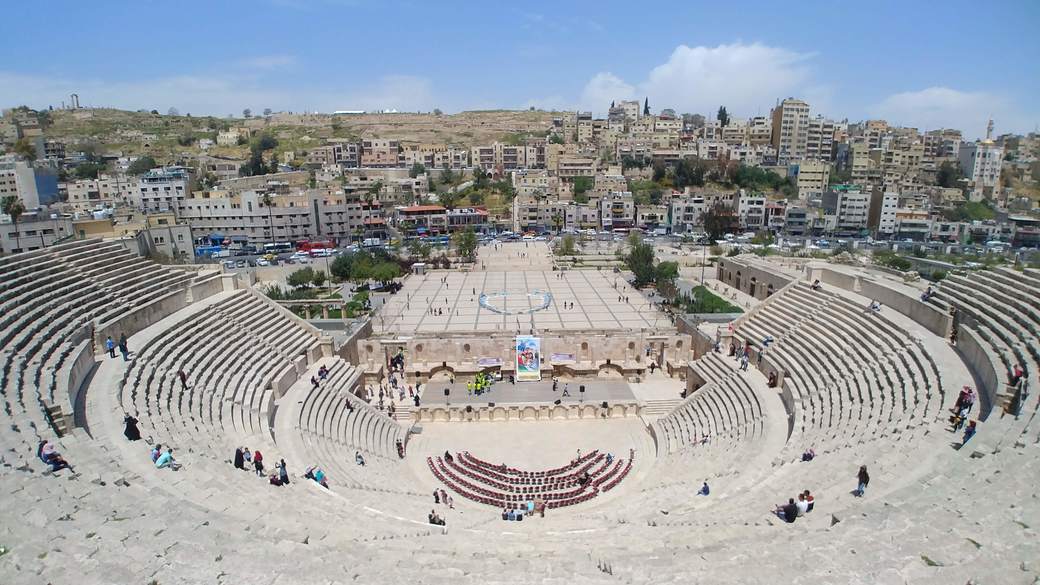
524	412
981	360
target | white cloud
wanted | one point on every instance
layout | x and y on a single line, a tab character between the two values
602	89
943	107
215	94
746	78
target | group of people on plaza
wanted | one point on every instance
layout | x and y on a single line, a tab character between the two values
481	383
961	410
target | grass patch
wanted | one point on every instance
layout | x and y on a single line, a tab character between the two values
702	300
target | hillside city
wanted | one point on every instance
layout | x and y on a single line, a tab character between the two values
790	179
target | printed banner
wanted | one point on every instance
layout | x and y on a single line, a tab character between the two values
562	358
528	359
487	362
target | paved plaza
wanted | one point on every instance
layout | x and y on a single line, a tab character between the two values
512	297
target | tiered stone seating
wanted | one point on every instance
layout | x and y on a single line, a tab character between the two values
1002	307
234	347
50	301
854	376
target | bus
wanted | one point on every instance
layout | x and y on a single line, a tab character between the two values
278	248
307	245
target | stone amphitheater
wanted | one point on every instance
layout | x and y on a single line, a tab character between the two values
858	387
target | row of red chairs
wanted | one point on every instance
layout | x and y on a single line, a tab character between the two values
604	477
546	473
569	479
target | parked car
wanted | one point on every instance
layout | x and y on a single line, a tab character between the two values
229	264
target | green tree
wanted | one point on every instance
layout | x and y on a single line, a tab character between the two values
566	246
480	178
264	142
665	275
948	175
416	170
437	112
247	113
385	272
646	106
418	249
319	279
87	170
718	221
640	260
304	277
449	199
447	176
12	206
555	139
267	111
268	202
466	244
582	184
24	148
723	116
142	165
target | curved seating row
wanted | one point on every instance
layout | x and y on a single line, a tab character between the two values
331	412
1002	307
853	375
51	300
232	350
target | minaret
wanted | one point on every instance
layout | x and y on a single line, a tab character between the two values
989	130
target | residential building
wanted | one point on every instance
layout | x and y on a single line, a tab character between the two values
222	168
913	225
685	213
422	220
35	230
311	214
162	189
379	153
652	216
107	191
18	177
846	210
796	221
576	166
819	140
751	209
981	162
467	218
812	177
617	210
790	133
882	215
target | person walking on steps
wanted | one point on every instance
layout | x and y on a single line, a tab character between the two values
124	348
111	347
864	478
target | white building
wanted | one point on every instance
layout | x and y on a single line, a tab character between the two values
19	178
162	189
980	162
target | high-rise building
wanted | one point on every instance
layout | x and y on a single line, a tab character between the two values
980	162
791	129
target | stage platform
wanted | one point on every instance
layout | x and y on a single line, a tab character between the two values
596	391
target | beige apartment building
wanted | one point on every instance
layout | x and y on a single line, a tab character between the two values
376	153
813	178
107	191
312	214
791	129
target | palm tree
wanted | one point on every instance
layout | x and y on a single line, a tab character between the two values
13	206
267	202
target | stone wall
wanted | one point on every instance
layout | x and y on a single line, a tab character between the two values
753	280
623	354
138	318
982	362
522	412
928	316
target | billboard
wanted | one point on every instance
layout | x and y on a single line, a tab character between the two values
528	359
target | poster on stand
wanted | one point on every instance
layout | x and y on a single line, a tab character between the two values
528	359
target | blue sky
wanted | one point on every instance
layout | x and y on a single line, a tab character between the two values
922	64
